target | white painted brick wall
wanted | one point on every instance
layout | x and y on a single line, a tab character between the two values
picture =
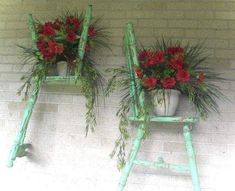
62	158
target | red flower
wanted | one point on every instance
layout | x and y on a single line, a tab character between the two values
151	62
168	83
41	45
183	75
92	32
200	77
55	48
71	35
47	55
160	55
174	50
176	64
139	72
74	22
143	55
154	58
180	50
48	29
150	82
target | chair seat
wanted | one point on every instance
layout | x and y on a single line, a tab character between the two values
167	119
60	80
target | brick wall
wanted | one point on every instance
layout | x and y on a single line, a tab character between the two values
62	158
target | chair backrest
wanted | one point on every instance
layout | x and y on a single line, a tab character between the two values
83	38
137	96
84	34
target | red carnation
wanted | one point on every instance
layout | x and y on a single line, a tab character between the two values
170	50
55	48
48	29
139	72
41	45
176	64
168	83
200	77
151	62
74	22
174	50
183	75
179	50
150	82
142	55
71	35
47	55
92	32
154	58
159	56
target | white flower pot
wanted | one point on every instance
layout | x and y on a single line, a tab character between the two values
166	102
62	68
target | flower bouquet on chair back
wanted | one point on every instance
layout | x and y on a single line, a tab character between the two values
165	71
168	69
64	47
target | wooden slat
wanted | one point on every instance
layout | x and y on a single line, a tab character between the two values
162	164
168	119
60	80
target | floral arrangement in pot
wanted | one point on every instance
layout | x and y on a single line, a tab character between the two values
56	45
165	71
58	41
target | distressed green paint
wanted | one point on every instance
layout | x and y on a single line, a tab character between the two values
83	38
132	76
167	119
19	146
33	31
128	166
160	163
132	44
60	80
191	167
135	62
19	141
191	157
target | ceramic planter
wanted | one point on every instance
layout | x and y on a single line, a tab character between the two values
62	68
166	102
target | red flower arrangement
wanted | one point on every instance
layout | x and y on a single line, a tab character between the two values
166	69
59	39
168	65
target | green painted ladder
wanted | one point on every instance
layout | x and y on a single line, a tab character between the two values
191	167
19	147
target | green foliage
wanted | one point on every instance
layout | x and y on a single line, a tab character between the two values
120	80
203	95
86	73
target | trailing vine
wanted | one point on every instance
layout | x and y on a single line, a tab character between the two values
59	40
167	65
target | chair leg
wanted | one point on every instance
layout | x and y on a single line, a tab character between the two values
128	166
191	157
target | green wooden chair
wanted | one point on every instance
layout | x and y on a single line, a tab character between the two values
191	167
19	148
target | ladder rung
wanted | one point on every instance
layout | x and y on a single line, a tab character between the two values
167	119
162	164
